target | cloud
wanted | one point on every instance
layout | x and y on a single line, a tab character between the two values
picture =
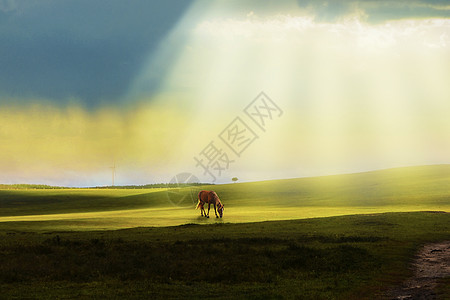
376	11
93	51
85	50
349	31
357	94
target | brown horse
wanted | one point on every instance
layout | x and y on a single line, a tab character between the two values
209	197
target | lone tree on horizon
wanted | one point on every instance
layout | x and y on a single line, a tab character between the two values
234	179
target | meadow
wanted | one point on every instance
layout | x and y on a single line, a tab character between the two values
345	257
394	190
334	237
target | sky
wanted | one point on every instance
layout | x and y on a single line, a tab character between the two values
220	89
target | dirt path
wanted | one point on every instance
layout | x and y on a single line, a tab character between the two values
431	264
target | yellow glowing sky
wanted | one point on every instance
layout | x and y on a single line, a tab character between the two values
355	96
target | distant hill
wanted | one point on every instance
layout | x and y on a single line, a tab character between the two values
152	185
144	186
28	186
398	186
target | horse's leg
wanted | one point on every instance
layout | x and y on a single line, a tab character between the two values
215	210
209	206
201	210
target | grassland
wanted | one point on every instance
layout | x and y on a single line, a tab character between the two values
360	235
346	257
396	190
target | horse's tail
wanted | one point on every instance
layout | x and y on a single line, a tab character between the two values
200	203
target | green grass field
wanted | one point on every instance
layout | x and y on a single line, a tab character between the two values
396	190
346	257
335	237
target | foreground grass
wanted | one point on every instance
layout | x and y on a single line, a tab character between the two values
349	257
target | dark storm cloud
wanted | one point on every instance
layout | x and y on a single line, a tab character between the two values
377	10
88	50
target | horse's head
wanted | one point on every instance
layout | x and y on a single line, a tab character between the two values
220	210
219	204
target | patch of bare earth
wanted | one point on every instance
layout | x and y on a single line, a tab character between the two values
432	263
